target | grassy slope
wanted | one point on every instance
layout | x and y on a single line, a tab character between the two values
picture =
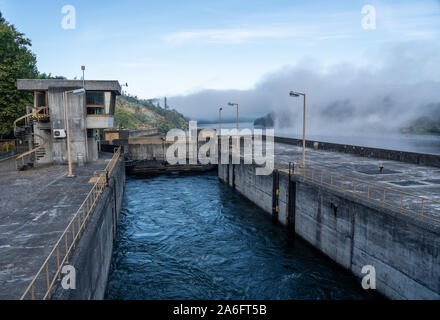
134	113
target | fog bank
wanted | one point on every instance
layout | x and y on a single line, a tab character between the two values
385	95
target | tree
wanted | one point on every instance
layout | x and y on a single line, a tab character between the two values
16	62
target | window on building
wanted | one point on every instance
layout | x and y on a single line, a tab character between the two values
95	102
41	99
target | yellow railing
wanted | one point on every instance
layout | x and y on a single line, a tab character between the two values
28	153
50	272
37	114
385	196
111	165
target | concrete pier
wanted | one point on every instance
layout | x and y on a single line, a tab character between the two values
353	231
35	207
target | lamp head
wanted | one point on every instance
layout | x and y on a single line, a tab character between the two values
79	91
294	94
231	104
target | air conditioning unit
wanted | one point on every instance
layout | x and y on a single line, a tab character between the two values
59	133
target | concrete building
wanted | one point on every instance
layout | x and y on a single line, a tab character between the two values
46	123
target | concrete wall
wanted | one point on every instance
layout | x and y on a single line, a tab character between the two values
48	147
403	156
7	164
92	256
150	148
147	151
92	146
404	249
140	133
77	125
99	121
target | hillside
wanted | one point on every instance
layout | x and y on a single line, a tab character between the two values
134	113
428	123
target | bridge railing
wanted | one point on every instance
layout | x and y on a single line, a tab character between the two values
383	195
50	271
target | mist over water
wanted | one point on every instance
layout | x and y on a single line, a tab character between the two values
391	141
386	94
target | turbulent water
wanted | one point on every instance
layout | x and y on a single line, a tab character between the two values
192	237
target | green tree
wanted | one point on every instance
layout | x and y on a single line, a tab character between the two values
16	62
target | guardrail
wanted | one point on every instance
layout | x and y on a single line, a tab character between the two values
50	272
403	201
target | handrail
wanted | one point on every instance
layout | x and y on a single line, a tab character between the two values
36	114
111	165
63	248
386	196
21	156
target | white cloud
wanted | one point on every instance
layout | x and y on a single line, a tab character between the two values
242	35
226	35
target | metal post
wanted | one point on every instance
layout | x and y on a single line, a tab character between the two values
304	134
237	117
220	122
234	104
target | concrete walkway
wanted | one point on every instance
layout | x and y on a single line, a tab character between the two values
400	176
35	208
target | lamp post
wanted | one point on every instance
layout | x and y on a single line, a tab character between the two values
69	160
83	68
297	94
234	104
220	121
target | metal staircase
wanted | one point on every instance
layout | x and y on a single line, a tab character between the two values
25	134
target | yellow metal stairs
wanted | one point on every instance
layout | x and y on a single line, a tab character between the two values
25	133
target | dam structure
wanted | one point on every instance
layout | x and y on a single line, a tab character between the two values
359	206
355	206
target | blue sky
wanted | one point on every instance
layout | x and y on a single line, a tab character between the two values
179	47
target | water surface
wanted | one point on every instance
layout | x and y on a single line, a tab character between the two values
400	142
192	237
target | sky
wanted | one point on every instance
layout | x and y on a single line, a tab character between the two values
182	49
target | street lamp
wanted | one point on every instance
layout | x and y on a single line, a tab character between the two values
76	93
297	94
220	121
83	68
234	104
